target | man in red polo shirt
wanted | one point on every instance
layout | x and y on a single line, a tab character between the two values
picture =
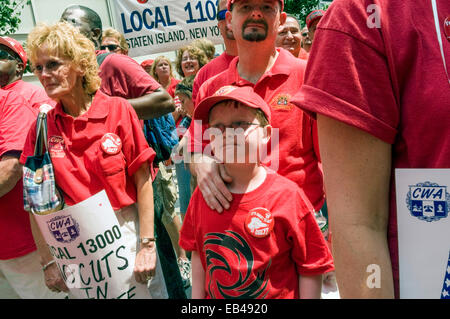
381	104
222	62
276	76
289	36
12	66
19	261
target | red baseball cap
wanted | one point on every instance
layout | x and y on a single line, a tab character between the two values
242	94
312	16
230	2
148	62
15	45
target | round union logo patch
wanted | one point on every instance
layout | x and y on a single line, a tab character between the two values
259	222
111	143
447	28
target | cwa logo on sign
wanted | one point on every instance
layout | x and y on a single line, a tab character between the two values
428	201
65	229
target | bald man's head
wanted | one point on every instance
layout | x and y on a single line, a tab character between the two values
86	20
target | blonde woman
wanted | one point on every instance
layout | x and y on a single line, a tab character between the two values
64	60
162	72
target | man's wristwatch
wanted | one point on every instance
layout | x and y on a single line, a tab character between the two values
147	240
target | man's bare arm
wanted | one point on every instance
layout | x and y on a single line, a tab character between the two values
357	171
10	174
153	105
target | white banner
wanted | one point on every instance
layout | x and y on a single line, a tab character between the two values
165	25
423	204
88	246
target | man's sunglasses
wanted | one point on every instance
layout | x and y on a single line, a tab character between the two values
5	55
111	47
221	15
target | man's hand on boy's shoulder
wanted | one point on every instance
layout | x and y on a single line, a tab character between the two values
211	177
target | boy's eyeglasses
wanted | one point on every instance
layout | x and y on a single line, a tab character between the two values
5	55
235	125
221	15
110	47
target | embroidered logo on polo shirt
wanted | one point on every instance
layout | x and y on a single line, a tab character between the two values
111	144
281	102
259	222
56	147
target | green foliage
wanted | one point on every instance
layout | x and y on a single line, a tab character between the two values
10	11
301	8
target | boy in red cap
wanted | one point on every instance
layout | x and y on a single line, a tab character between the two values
267	244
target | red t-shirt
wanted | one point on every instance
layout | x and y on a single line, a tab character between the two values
296	153
82	166
16	118
388	81
34	94
212	68
303	54
124	77
238	264
172	86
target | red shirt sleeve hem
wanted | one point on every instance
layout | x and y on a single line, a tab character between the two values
313	100
186	245
147	155
315	271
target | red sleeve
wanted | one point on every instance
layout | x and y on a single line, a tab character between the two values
187	234
196	141
310	251
124	77
172	87
16	118
348	76
198	81
135	147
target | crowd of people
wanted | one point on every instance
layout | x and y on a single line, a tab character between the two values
281	183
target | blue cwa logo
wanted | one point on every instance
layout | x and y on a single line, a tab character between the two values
64	228
428	201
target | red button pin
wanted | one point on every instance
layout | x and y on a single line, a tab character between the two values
447	28
259	222
111	143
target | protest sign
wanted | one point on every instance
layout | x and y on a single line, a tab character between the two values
423	203
158	26
90	251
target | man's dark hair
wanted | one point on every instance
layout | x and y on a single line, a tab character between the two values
91	16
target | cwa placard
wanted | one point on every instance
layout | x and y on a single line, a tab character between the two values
423	206
158	26
89	249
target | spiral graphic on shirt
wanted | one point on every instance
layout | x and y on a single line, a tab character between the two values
222	251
